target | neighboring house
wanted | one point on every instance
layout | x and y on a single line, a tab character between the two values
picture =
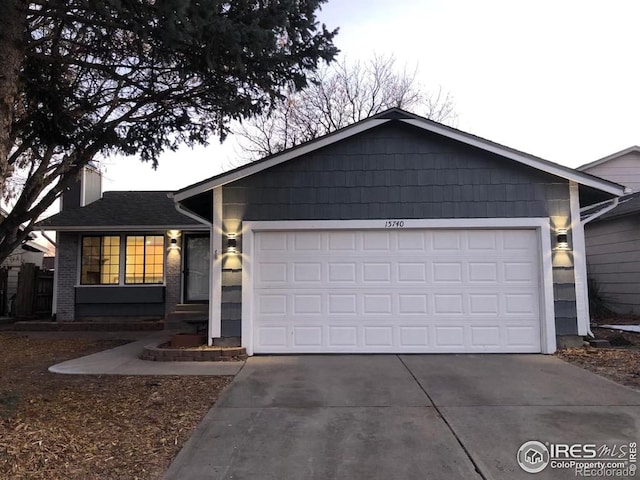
31	251
613	237
396	234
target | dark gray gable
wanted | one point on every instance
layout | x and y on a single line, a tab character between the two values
396	171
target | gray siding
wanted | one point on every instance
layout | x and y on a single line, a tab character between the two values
613	260
624	170
401	173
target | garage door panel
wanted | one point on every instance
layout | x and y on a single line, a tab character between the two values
375	336
401	291
482	272
307	242
375	241
447	240
411	272
341	241
308	336
447	272
413	336
307	273
482	240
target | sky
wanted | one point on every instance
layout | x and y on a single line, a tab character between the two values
556	79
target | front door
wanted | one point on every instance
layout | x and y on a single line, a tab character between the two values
196	269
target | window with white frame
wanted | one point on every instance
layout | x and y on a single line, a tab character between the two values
127	259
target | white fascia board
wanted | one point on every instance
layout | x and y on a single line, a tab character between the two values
251	169
557	170
126	228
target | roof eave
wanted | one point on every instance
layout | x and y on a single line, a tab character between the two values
523	158
119	228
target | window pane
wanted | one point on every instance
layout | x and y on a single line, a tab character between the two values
100	262
145	259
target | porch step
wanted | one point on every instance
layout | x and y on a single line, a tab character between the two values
188	317
192	307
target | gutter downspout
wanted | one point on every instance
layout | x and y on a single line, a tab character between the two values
614	204
197	218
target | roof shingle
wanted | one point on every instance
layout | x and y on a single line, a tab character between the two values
123	209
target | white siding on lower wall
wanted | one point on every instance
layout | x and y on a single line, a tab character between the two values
394	291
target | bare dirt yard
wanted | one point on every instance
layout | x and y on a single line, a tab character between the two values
91	427
620	362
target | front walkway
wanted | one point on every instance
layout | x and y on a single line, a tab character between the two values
124	360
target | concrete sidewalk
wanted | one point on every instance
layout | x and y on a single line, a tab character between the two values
402	417
124	360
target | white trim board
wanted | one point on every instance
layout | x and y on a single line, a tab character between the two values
215	272
547	310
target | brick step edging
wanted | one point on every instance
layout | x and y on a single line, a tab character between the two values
160	353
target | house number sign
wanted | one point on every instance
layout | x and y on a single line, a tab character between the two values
394	224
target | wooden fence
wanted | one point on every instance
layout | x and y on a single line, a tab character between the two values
35	292
4	287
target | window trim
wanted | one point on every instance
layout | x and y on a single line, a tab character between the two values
122	271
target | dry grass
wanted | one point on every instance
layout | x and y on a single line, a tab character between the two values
620	364
91	427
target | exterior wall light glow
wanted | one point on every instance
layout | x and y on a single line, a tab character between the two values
562	240
173	239
232	243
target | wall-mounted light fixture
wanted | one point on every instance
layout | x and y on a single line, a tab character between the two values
562	239
173	239
232	243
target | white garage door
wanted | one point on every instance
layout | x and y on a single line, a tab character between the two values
384	291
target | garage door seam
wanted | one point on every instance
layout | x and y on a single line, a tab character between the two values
449	426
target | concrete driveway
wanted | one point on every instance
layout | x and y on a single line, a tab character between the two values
402	417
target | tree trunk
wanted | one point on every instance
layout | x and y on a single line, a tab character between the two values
11	57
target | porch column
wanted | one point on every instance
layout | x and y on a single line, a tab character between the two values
215	280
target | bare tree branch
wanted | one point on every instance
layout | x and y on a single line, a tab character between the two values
338	96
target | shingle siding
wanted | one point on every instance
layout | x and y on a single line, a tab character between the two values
398	172
394	172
